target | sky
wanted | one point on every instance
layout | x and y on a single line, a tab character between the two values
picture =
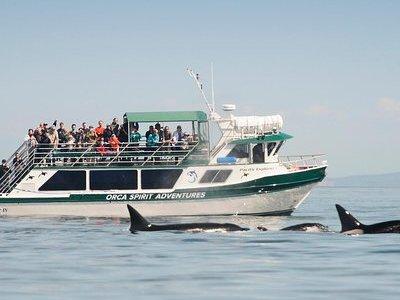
330	68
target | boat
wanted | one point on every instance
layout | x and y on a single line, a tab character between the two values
241	173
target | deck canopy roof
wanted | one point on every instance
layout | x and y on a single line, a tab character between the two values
166	116
275	137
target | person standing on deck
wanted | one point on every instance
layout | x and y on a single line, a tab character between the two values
152	138
101	148
178	135
85	128
38	134
70	142
3	170
152	142
115	127
31	138
167	136
4	174
135	136
74	132
148	132
177	140
79	137
167	140
53	137
100	129
17	165
91	136
123	134
114	143
62	133
107	133
160	132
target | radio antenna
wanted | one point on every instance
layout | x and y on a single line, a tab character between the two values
212	87
196	78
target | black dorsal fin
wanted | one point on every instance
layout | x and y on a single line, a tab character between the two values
348	221
138	222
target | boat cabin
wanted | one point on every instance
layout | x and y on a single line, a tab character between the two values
251	150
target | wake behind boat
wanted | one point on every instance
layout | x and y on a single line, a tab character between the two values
178	174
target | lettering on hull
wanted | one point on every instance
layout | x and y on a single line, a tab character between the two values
154	196
3	210
253	169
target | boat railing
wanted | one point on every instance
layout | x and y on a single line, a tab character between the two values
92	155
115	158
21	151
83	153
300	162
140	154
19	164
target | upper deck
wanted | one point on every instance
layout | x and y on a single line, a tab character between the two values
243	141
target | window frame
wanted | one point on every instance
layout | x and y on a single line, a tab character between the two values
215	176
145	184
134	179
83	185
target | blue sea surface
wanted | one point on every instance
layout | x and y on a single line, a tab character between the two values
79	258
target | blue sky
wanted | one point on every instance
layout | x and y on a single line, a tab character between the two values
331	68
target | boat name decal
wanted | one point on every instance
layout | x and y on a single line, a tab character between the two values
3	210
155	196
253	169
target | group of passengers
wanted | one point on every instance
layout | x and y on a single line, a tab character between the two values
113	134
104	139
157	135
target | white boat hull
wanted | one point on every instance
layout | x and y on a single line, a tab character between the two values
271	203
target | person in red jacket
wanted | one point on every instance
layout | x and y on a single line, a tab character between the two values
101	148
114	143
100	129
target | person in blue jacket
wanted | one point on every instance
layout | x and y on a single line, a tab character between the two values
152	138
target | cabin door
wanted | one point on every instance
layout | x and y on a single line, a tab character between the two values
258	153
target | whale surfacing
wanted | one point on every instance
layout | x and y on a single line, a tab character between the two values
350	225
139	223
307	227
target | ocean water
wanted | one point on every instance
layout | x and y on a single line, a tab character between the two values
99	258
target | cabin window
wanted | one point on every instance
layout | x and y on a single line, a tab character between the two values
222	176
65	181
258	153
208	176
279	147
113	180
270	147
160	179
239	151
215	176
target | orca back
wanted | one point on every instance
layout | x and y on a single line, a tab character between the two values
138	222
200	227
308	227
349	223
384	227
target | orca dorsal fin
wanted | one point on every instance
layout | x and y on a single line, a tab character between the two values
349	223
138	222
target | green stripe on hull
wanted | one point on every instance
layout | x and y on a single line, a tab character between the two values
265	184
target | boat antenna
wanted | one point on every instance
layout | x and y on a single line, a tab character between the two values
212	87
196	78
